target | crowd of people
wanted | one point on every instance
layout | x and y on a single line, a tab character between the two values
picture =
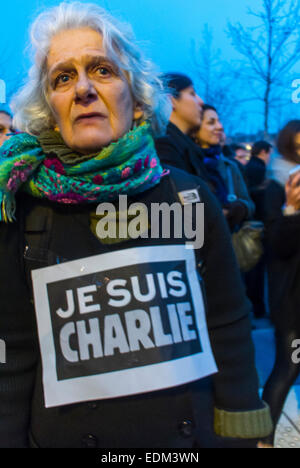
95	121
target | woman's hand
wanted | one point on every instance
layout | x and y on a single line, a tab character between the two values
292	191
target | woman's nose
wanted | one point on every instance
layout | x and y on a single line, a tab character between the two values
84	88
200	101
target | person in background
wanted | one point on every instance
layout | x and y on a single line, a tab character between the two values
288	148
241	154
282	221
225	178
89	112
256	177
6	127
177	148
256	168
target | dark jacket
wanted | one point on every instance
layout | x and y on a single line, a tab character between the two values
255	172
283	249
179	150
230	172
178	417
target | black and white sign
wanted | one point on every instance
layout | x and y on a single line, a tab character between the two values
121	323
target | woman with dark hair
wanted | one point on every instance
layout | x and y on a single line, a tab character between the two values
288	142
177	149
224	176
282	220
288	147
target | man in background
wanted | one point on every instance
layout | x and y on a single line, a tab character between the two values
256	177
256	168
241	154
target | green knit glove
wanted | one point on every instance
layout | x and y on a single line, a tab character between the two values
243	425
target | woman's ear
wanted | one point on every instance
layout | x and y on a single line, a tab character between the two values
173	102
138	112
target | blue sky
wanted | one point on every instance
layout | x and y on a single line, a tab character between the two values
165	29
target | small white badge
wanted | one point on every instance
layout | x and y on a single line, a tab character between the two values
189	196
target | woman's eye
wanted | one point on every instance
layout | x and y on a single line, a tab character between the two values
62	79
103	71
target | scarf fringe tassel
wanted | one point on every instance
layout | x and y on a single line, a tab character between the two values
8	208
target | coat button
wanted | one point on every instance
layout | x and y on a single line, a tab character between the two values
186	428
89	441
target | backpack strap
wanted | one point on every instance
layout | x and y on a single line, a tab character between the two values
36	225
182	181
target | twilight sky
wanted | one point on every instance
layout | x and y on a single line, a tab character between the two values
165	29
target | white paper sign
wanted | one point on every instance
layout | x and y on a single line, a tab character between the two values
121	323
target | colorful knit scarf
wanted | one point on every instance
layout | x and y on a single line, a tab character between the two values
126	167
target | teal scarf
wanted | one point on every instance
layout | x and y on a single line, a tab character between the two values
126	167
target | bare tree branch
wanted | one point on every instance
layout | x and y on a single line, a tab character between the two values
215	78
271	48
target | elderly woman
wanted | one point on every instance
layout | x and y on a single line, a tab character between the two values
107	343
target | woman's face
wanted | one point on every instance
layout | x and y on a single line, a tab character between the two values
90	100
188	108
211	130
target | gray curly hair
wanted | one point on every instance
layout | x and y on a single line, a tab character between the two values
32	113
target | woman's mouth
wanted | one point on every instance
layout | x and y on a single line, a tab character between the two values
89	117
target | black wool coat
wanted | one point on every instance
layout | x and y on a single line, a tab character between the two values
174	418
255	172
282	240
178	150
